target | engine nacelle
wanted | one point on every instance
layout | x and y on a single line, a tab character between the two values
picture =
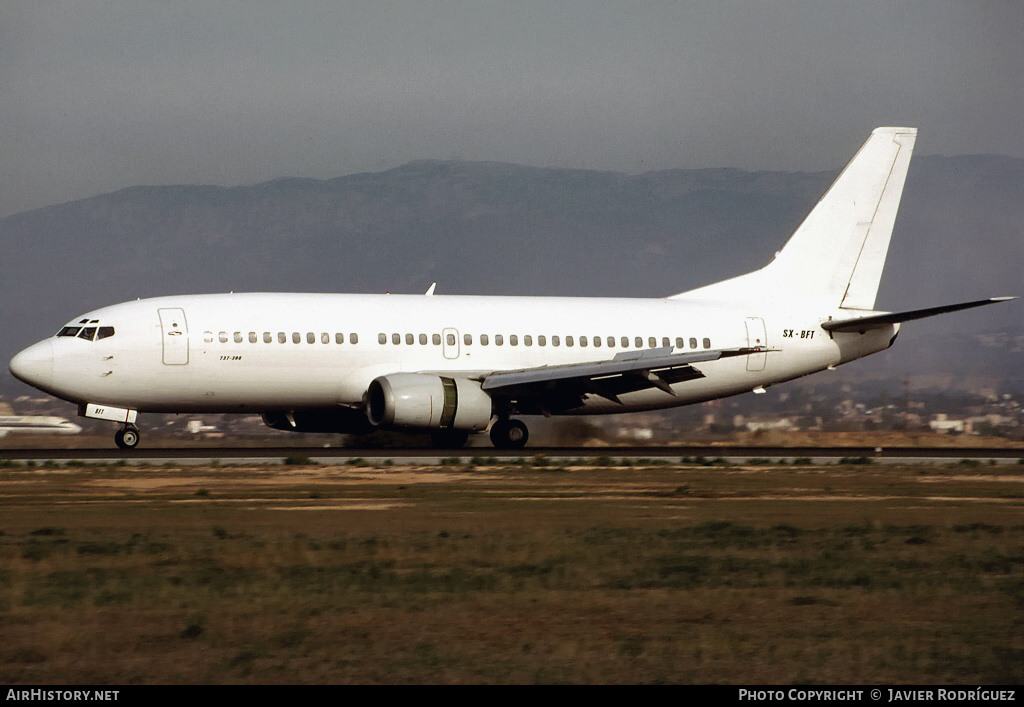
423	401
337	420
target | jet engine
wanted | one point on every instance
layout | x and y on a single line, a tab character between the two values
424	401
338	420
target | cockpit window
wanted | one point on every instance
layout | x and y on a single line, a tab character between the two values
88	333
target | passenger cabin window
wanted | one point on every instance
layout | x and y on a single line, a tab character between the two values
484	340
423	339
597	341
467	339
396	339
583	341
611	342
652	343
252	337
238	337
498	340
693	342
555	341
339	338
296	337
382	338
223	337
568	341
353	338
625	342
679	342
527	340
665	341
542	340
707	343
513	340
450	339
435	339
409	340
325	338
310	337
267	337
208	337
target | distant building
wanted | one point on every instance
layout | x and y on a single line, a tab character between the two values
943	425
197	427
780	424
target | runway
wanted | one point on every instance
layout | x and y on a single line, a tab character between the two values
341	455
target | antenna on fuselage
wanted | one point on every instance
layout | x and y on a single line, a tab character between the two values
430	290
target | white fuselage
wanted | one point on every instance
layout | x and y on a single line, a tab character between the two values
264	351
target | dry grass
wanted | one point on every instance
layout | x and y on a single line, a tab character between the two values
591	573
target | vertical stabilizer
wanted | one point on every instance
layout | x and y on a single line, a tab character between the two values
862	288
837	254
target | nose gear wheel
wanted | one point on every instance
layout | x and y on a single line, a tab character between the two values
127	437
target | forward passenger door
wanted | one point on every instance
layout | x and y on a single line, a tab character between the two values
174	331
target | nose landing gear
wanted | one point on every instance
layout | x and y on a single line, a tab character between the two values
509	434
127	437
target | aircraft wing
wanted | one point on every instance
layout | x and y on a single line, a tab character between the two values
563	387
874	321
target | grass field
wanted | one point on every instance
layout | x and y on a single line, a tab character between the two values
599	571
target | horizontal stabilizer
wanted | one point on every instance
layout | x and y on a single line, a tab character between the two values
875	321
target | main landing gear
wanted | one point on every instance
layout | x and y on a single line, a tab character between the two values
127	437
509	434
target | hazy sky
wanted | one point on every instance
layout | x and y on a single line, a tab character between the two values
96	96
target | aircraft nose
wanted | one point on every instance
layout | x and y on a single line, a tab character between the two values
34	365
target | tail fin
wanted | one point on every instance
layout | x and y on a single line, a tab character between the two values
837	254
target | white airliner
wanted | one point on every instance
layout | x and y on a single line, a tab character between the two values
37	424
452	365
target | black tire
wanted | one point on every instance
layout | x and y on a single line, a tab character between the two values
509	434
127	438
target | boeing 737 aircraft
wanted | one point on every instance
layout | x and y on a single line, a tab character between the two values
453	365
